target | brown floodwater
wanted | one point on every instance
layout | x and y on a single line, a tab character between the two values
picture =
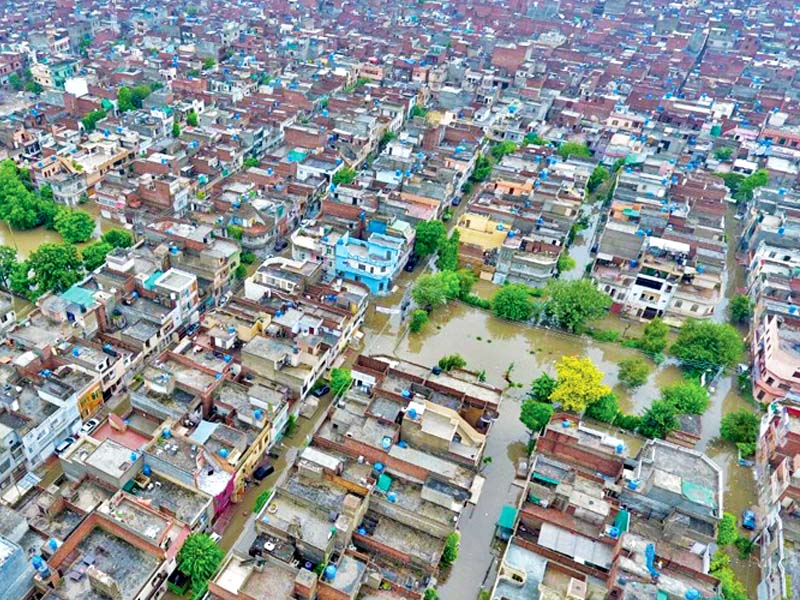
491	344
25	242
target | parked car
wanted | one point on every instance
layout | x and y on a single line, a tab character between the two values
749	520
215	537
89	426
456	201
263	472
412	263
62	446
280	244
191	329
321	390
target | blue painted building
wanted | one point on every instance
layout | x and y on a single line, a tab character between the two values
376	261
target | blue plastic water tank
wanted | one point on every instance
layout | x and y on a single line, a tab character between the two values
330	572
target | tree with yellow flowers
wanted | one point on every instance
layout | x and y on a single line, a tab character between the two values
579	383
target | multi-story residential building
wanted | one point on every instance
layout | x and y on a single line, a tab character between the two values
194	248
375	262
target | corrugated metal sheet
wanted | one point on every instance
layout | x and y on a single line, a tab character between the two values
576	546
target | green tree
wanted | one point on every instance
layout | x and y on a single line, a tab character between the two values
534	139
33	87
500	150
740	426
235	232
655	337
451	283
419	318
192	119
251	161
740	309
568	149
513	302
727	531
565	263
387	137
429	236
659	420
124	99
542	387
90	120
482	170
94	254
176	129
431	594
573	303
240	272
418	111
687	397
452	361
448	253
450	551
579	383
705	345
604	410
599	176
261	500
20	206
341	379
199	558
208	63
53	267
430	291
118	238
83	45
466	279
8	261
75	226
247	257
535	415
139	93
723	154
633	372
344	176
20	281
15	81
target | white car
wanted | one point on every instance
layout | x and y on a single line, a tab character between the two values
89	426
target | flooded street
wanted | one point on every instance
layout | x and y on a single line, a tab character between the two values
581	248
25	242
491	344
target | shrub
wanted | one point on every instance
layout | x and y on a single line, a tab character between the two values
452	361
633	372
628	422
687	397
477	301
727	532
605	410
739	427
659	420
603	335
418	320
261	500
450	552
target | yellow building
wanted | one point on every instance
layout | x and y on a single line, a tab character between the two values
481	231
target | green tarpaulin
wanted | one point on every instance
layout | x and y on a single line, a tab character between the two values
384	482
508	517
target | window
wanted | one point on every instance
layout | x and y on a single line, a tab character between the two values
694	308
